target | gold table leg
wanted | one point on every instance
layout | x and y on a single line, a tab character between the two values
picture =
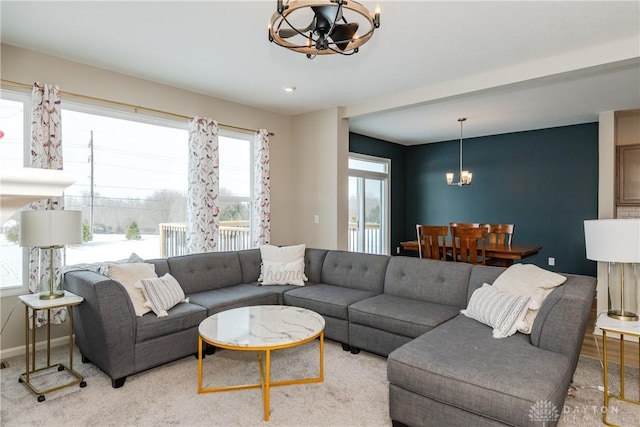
265	373
605	370
621	396
267	381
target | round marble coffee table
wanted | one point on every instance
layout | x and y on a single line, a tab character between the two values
261	328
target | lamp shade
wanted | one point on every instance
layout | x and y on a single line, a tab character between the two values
46	228
613	240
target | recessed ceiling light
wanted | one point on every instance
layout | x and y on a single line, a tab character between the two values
289	88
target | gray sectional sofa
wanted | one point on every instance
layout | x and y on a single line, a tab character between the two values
443	368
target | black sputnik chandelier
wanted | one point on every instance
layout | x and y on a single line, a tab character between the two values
322	27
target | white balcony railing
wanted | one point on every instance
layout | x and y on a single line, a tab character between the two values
373	241
236	235
233	236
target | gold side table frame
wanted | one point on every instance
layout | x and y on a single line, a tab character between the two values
621	328
33	302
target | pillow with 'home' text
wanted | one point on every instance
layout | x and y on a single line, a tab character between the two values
282	265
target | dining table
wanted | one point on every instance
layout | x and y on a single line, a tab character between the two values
504	255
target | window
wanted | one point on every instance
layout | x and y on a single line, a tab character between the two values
14	125
236	190
369	204
131	184
132	177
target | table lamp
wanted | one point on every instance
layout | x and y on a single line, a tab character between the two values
614	241
50	229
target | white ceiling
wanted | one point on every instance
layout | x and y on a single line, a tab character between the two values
506	65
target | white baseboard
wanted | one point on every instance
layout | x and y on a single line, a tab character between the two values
40	345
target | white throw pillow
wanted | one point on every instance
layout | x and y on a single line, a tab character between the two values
503	311
128	275
282	265
162	293
532	281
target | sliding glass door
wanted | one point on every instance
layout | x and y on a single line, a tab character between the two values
368	204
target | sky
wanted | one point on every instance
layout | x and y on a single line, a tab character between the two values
131	159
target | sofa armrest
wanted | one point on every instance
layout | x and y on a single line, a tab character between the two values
562	320
105	323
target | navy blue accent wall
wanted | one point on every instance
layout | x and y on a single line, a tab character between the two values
544	181
397	153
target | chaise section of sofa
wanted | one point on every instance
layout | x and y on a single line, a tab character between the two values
458	374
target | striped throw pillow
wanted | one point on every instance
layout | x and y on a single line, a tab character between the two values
162	294
503	311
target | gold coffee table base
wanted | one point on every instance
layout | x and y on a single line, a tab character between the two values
265	369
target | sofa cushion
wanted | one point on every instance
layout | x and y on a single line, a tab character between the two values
313	261
250	262
503	311
278	289
355	270
162	267
481	274
401	316
325	299
282	265
206	271
532	281
162	293
460	364
179	318
217	300
428	280
128	276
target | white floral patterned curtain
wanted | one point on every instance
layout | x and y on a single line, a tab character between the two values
46	153
202	199
262	200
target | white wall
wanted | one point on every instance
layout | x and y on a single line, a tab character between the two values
320	142
27	67
606	190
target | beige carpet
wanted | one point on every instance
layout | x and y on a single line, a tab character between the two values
354	393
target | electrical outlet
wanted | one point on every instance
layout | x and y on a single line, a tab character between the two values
552	261
398	250
316	219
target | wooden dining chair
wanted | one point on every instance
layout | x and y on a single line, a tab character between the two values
432	241
464	224
469	244
500	234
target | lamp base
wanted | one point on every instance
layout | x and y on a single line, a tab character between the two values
622	315
51	295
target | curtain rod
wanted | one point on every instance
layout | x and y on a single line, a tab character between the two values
124	104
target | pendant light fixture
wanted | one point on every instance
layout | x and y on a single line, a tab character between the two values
465	176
